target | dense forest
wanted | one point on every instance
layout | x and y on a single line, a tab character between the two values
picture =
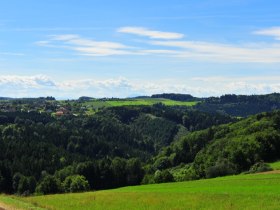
130	145
241	105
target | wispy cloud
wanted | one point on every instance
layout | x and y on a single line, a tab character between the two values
189	50
217	52
150	33
85	46
274	32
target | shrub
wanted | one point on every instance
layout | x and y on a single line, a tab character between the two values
185	174
148	179
163	176
75	183
221	168
49	185
260	167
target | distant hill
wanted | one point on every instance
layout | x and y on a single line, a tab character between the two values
49	98
4	98
85	98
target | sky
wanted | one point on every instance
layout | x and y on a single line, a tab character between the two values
124	48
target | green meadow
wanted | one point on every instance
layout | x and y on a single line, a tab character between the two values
137	102
254	191
95	104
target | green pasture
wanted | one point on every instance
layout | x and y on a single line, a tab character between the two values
254	191
137	102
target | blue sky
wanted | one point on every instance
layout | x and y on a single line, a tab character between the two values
70	48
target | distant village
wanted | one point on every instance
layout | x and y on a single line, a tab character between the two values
44	105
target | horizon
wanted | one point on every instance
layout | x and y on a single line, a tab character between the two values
123	49
125	98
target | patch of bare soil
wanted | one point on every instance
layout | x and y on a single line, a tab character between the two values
270	172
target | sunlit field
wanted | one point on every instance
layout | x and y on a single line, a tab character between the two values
258	191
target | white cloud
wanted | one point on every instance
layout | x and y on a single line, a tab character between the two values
92	51
274	32
26	81
150	33
220	85
41	85
26	86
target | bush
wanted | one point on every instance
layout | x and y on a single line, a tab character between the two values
148	179
221	168
163	176
75	183
185	173
260	167
49	185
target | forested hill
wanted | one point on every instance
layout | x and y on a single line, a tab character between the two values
240	105
108	148
73	150
230	104
221	150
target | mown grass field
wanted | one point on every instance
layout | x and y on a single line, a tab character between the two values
257	191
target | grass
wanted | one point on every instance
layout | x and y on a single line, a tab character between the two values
275	165
254	191
137	102
17	203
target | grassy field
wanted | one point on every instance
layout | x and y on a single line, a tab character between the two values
258	191
14	203
95	104
137	102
